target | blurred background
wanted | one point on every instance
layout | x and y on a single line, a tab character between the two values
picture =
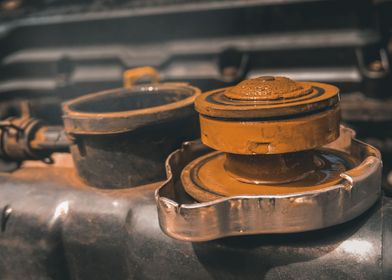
55	50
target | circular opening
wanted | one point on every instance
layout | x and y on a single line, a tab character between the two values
126	109
130	99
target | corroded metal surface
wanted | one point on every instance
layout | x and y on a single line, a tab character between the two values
269	115
271	173
268	88
120	138
28	138
264	154
181	218
207	178
256	99
271	136
126	109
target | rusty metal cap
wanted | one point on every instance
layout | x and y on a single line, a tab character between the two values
267	97
269	115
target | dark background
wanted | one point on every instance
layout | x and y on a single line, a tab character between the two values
54	50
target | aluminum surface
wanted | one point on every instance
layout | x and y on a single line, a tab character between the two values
59	228
183	219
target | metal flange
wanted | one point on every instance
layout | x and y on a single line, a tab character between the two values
183	218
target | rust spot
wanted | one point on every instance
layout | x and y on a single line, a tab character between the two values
267	88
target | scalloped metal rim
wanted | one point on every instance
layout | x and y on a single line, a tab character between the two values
244	215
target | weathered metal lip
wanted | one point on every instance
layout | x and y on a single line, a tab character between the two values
244	215
82	122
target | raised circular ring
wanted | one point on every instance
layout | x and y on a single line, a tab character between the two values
217	103
205	178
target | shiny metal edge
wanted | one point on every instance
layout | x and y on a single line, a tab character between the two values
182	219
